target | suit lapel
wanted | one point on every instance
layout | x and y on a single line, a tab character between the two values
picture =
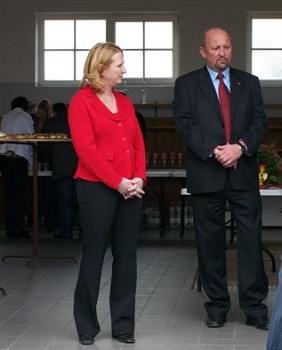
208	90
236	90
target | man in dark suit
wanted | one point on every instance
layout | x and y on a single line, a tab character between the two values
222	168
63	161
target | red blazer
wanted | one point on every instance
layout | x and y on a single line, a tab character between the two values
109	145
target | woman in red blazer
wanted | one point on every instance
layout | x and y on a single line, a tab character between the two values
110	177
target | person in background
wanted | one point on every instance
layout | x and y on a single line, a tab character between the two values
110	177
63	161
43	111
15	159
140	118
222	167
47	198
142	123
274	338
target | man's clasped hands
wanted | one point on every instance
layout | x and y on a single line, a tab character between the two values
228	155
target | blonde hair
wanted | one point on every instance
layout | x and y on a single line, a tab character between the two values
98	59
46	106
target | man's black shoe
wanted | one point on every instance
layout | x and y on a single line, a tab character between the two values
125	338
86	339
261	322
216	321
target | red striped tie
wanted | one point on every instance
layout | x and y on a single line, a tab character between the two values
224	100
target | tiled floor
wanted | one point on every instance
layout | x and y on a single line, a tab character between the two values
36	313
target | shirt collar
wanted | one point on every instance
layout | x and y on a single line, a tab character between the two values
213	74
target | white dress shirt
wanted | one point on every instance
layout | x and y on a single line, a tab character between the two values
17	121
215	81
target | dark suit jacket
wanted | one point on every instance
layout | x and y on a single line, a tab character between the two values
199	124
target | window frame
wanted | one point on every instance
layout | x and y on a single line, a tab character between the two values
111	19
260	15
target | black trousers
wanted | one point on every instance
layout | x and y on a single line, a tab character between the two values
209	219
105	214
14	172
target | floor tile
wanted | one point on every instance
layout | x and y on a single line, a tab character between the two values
37	312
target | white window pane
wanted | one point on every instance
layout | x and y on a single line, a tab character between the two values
267	33
133	61
267	65
59	65
129	35
89	33
158	64
158	35
59	34
80	59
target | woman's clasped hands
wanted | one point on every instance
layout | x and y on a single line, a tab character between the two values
130	188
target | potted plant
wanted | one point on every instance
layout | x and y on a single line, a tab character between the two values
270	165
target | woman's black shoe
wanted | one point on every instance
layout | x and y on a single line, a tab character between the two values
125	338
86	339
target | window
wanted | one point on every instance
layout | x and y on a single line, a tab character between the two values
151	45
266	46
148	41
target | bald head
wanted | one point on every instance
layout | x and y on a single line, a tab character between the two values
211	33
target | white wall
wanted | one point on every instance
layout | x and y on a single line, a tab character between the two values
17	40
272	211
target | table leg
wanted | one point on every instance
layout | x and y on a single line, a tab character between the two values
162	208
3	291
272	258
263	247
182	219
35	257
